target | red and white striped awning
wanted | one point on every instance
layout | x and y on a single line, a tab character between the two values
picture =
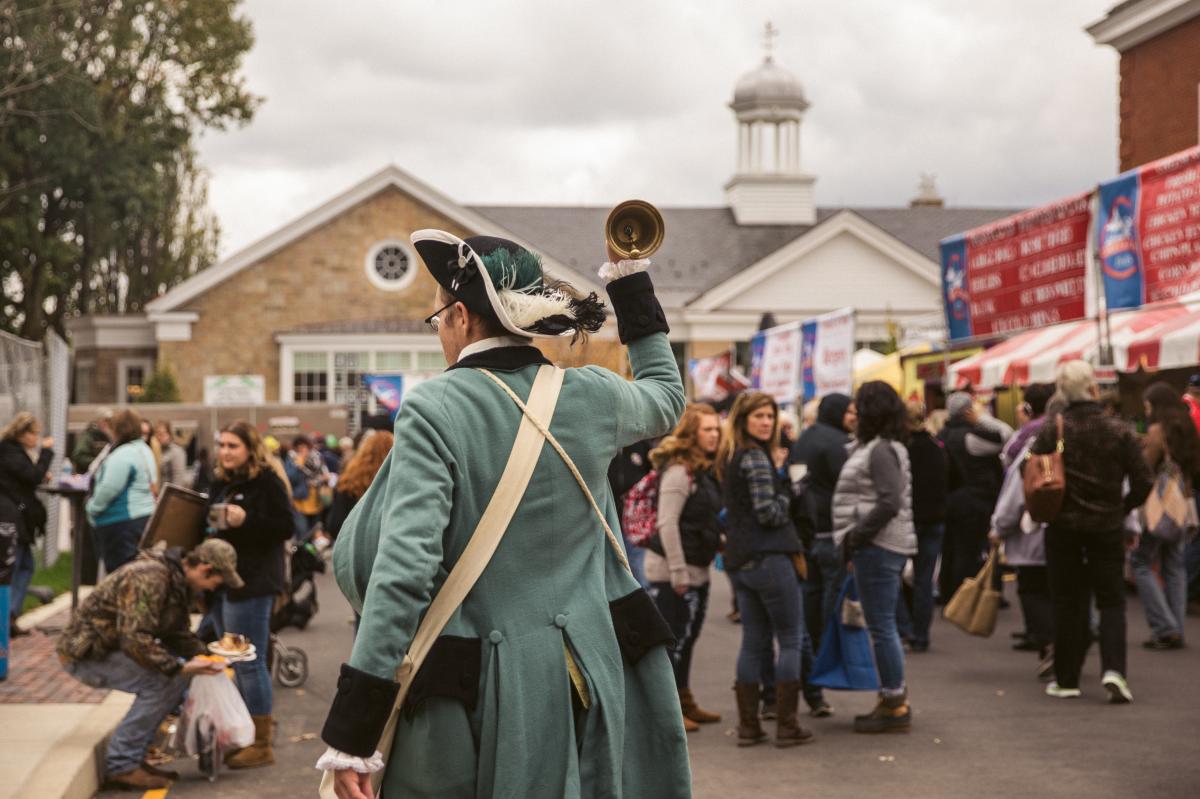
1161	336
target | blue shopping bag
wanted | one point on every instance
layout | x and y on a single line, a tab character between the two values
846	661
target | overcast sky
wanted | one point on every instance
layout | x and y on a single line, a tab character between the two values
1008	102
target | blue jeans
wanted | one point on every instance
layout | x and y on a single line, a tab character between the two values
636	556
769	599
21	578
915	625
1165	611
251	618
117	543
826	573
157	695
877	575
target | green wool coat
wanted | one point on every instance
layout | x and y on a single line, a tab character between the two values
550	581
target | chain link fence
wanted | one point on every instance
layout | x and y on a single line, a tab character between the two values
34	377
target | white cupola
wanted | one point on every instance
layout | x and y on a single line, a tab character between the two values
769	187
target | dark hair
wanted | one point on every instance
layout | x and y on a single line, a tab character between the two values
881	413
301	441
1036	396
127	426
1168	409
258	459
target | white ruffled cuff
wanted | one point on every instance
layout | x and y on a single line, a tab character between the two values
333	760
610	271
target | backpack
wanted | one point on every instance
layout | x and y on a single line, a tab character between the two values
639	517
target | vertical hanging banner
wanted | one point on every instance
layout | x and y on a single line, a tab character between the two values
388	391
1148	232
803	360
1023	271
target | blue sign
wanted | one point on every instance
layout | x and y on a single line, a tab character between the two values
808	348
388	391
954	287
1117	242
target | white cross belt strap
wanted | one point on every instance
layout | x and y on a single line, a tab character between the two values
526	451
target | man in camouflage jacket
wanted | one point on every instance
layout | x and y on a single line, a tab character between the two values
132	634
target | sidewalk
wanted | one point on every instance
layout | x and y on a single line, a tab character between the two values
51	726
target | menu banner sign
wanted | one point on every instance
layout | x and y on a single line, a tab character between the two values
1148	236
803	360
1020	272
706	374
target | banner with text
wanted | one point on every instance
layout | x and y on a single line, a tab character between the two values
803	360
1148	236
1020	272
707	374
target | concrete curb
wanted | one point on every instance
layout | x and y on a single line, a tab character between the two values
73	768
62	602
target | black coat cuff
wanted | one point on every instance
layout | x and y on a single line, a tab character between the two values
636	308
639	625
359	712
451	670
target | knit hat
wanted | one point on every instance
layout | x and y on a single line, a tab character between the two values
499	278
958	403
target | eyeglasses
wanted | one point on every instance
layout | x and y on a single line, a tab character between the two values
433	319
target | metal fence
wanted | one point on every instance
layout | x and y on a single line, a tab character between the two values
34	377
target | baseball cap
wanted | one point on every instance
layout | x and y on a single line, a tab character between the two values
221	556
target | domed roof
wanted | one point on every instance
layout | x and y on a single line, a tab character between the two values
770	85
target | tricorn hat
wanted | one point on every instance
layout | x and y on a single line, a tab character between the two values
501	279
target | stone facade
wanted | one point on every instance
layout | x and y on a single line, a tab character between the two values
1160	92
317	278
101	363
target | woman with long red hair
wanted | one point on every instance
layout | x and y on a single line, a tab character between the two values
356	478
688	533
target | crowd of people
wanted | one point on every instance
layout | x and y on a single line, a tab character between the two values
132	632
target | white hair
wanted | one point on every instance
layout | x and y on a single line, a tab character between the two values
1076	381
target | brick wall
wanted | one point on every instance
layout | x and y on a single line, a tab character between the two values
104	370
1160	83
319	278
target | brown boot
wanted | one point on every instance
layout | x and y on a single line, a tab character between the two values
166	774
750	731
891	714
788	731
257	754
689	725
136	780
693	711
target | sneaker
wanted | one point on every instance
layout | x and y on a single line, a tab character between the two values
1163	643
1118	689
821	711
1057	692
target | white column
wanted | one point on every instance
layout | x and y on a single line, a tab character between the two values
778	146
796	145
741	145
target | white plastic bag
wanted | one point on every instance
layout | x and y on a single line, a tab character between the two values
213	703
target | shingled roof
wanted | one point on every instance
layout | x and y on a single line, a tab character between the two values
705	246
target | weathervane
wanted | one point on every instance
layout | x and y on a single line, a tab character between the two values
769	34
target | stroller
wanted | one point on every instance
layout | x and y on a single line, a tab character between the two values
300	604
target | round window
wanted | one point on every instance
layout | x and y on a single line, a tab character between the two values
390	265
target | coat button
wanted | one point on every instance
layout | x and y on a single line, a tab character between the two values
560	620
495	636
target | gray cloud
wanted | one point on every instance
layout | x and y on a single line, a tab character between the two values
1009	103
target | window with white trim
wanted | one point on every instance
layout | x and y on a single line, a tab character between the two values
348	369
310	377
391	265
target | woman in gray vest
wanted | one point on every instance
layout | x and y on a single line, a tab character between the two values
760	549
873	524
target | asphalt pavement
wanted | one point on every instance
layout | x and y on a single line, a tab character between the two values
982	725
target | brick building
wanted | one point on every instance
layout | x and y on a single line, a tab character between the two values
339	291
1159	43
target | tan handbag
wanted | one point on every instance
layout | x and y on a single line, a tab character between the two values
526	451
1045	481
975	605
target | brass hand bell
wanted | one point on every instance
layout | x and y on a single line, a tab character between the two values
634	230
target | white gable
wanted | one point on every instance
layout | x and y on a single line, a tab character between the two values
844	262
842	272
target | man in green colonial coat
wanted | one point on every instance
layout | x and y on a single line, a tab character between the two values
551	679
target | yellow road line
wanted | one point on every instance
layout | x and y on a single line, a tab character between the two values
157	793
